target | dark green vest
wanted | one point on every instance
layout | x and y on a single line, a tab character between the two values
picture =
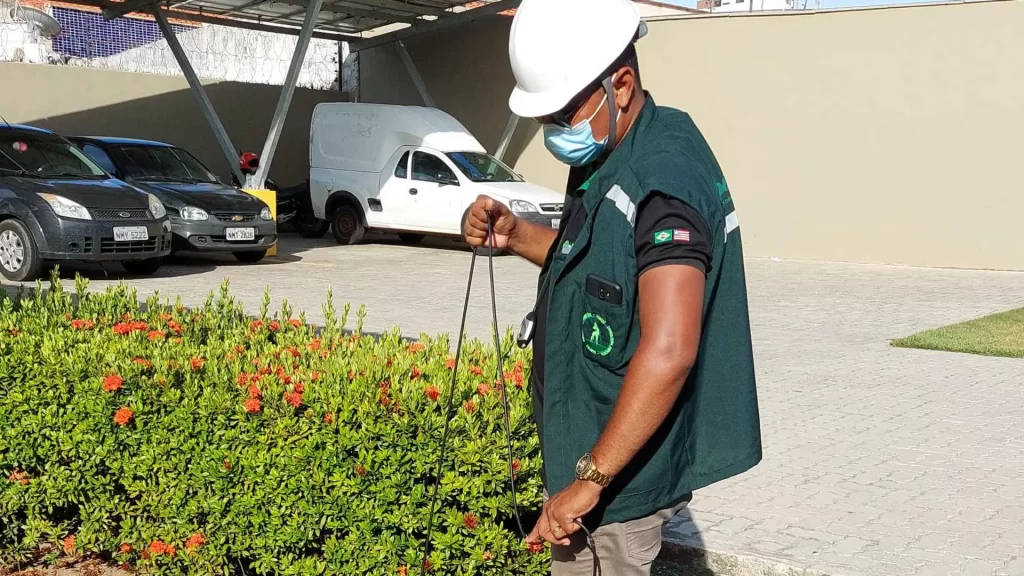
713	432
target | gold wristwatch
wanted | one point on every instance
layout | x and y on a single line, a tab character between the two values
585	470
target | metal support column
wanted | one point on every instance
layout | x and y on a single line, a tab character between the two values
229	150
410	66
287	91
506	137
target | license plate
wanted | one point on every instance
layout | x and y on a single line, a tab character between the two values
556	222
130	233
239	234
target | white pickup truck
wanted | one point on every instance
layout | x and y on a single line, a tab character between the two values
410	170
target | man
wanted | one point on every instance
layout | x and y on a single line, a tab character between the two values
643	375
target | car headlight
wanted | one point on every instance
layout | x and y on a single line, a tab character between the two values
156	207
521	206
66	208
265	213
193	213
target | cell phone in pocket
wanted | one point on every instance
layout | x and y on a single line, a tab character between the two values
604	290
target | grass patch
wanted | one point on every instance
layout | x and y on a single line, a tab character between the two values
1000	334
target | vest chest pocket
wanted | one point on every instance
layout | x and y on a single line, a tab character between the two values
605	323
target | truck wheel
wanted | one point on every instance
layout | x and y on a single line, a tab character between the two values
250	257
19	259
347	225
146	267
411	238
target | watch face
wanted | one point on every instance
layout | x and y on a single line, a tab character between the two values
582	465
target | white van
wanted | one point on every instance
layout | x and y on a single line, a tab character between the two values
410	170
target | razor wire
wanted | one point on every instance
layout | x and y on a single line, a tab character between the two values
59	34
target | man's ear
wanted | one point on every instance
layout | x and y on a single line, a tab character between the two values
624	85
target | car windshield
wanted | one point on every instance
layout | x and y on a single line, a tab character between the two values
483	167
43	155
161	163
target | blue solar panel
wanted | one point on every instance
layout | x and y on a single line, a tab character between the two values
87	35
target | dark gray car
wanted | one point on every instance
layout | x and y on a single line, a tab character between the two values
57	205
206	215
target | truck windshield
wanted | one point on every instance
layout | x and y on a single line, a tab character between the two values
160	163
483	167
44	156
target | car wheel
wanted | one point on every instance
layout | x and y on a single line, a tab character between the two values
347	225
250	257
145	267
411	238
19	259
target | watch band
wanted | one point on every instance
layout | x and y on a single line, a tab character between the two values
587	471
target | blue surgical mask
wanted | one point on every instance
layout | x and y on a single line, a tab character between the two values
575	146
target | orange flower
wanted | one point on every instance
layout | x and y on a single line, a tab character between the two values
470	521
243	379
417	347
125	548
351	375
155	335
275	325
252	405
14	332
315	376
293	398
469	406
69	544
254	391
112	383
18	476
240	349
432	392
403	571
177	340
488	556
82	324
294	351
328	418
123	416
415	373
164	316
174	327
194	542
476	371
516	465
171	550
295	323
483	389
197	364
156	548
534	547
315	345
360	469
449	363
143	362
427	566
255	325
299	387
226	464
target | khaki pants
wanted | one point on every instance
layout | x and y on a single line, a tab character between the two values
623	549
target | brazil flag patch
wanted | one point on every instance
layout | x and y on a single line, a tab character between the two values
662	237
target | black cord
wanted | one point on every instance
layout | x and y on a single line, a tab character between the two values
505	404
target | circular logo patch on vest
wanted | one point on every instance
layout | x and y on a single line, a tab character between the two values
598	336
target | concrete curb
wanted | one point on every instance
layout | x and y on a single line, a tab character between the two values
683	560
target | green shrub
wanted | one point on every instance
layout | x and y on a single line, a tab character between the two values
202	441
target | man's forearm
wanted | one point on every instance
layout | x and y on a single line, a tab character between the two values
649	391
531	241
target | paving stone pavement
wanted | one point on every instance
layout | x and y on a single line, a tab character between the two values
878	461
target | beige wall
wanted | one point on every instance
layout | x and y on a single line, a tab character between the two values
887	136
84	101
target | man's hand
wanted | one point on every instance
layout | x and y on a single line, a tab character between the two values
530	241
561	512
504	223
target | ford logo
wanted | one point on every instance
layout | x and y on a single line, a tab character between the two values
125	214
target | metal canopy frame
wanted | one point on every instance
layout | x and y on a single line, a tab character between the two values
359	22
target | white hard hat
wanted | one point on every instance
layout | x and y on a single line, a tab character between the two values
558	47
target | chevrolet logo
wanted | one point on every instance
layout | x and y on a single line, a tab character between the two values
237	218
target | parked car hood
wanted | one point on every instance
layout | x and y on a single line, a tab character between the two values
522	191
89	193
208	196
